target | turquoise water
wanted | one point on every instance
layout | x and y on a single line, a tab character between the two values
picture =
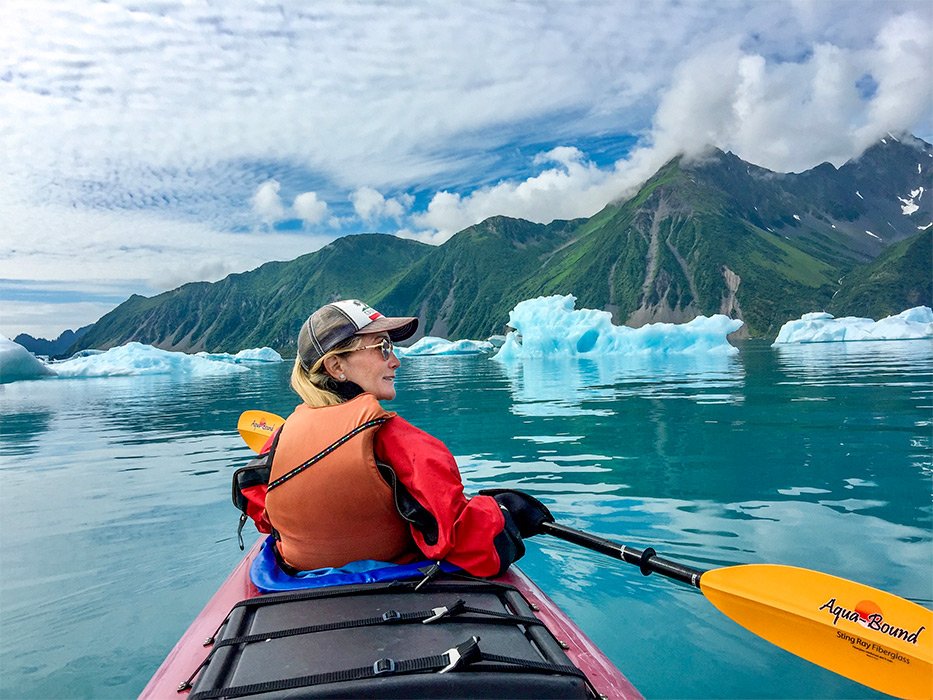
117	525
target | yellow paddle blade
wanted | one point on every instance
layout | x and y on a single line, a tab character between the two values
875	638
255	427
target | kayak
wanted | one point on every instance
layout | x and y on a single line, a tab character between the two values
450	636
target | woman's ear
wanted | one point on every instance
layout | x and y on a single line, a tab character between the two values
332	366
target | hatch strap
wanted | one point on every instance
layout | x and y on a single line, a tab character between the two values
458	658
452	612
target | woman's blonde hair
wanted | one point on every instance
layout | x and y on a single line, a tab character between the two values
315	386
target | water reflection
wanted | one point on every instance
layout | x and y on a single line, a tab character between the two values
578	386
21	430
903	362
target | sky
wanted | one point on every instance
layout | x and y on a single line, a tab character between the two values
149	143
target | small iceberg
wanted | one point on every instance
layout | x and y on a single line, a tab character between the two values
552	327
821	327
136	359
430	345
253	355
17	363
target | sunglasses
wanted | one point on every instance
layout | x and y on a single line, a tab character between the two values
386	346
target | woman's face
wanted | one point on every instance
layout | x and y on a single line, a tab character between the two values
370	370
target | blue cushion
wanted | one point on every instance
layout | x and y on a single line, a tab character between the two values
268	576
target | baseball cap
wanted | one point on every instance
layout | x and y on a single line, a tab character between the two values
334	323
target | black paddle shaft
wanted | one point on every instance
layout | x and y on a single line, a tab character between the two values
647	560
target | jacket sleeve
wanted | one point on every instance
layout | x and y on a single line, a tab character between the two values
472	533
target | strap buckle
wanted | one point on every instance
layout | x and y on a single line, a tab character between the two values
391	615
429	573
443	611
383	666
462	652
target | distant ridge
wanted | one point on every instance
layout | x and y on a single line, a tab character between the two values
717	235
51	348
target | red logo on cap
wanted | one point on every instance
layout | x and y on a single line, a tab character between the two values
373	316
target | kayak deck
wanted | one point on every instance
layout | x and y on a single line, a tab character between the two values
190	651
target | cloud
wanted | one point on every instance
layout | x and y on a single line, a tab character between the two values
785	115
793	115
370	205
309	208
267	203
573	188
115	254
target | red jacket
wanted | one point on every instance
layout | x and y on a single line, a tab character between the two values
472	533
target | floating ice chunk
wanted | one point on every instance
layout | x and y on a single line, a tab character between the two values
821	327
264	354
252	355
138	359
551	326
430	345
16	363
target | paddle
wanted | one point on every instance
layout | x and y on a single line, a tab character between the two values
865	634
870	636
256	427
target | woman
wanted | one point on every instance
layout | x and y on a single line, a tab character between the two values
352	481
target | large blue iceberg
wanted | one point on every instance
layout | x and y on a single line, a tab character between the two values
552	327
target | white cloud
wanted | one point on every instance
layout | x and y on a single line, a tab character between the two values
309	208
782	115
133	252
267	203
370	205
574	188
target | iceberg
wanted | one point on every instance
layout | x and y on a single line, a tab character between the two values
821	327
256	355
551	327
136	359
430	345
132	359
17	363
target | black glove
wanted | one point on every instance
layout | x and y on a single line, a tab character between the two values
527	511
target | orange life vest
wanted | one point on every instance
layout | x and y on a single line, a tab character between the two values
340	508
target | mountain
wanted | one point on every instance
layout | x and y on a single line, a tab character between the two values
724	236
466	287
263	307
51	348
716	235
899	279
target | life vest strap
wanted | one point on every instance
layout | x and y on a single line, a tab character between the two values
326	451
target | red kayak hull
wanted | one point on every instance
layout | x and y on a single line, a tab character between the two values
190	650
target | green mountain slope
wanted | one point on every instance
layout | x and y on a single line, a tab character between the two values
466	287
899	279
717	235
265	306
